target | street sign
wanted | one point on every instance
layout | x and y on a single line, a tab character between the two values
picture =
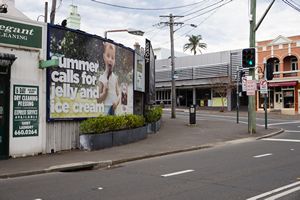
263	84
244	84
251	87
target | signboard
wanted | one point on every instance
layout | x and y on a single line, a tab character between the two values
251	87
150	73
93	76
25	111
244	84
20	34
139	73
263	85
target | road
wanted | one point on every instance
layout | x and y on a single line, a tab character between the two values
248	170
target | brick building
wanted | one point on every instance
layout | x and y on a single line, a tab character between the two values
284	89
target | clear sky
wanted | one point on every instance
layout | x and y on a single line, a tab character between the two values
223	28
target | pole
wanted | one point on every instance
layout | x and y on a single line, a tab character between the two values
237	95
173	88
266	111
251	99
53	10
266	98
46	12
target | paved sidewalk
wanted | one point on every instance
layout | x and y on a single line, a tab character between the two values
174	136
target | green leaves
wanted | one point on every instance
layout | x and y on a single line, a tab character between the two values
107	123
194	44
153	114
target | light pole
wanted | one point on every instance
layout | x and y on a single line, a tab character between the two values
129	30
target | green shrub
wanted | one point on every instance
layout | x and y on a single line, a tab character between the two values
107	123
153	114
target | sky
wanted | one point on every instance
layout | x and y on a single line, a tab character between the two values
222	28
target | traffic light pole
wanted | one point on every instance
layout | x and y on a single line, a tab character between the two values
251	99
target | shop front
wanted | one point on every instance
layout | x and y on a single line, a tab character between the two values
22	106
282	97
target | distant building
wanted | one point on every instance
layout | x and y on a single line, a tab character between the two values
204	80
284	90
162	53
73	21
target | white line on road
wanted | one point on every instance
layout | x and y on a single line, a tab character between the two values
280	140
263	155
291	131
280	123
177	173
283	193
274	191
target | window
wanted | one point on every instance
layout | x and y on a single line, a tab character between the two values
288	99
276	67
294	64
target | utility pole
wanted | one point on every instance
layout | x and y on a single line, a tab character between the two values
171	23
52	13
253	29
46	12
251	99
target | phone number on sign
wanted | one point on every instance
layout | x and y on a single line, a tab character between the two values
25	132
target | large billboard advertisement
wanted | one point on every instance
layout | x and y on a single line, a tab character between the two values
150	73
92	76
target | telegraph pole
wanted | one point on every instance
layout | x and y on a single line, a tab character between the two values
52	13
251	99
171	23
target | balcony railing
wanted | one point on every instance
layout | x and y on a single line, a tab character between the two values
286	74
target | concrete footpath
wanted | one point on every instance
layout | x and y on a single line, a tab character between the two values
174	136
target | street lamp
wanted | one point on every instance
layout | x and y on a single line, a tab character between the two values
129	30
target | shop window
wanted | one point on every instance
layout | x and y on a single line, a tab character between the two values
288	99
270	100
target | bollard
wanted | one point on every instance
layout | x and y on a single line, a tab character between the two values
192	114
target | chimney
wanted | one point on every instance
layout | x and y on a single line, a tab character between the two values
137	47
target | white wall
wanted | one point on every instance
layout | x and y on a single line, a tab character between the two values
25	71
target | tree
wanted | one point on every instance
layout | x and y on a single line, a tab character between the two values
195	44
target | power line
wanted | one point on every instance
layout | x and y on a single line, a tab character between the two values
145	9
292	4
208	11
203	8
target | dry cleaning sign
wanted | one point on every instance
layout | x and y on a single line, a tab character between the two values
25	111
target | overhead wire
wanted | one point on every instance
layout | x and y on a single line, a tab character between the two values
145	9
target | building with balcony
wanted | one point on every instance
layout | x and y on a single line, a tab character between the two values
284	90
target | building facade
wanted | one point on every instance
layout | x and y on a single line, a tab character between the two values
284	90
206	80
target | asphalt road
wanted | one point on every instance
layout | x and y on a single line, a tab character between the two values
249	170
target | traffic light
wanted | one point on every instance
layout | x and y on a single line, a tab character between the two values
270	70
248	58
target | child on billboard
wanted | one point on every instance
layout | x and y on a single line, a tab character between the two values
108	81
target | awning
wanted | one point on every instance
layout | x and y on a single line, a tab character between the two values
6	59
282	84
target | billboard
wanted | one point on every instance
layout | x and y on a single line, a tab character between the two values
92	76
150	73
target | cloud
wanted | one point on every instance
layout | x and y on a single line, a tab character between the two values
227	28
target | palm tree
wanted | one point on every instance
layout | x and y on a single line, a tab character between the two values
194	42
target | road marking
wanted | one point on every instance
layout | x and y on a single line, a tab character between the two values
280	140
177	173
263	155
274	191
100	188
291	131
283	193
280	123
292	149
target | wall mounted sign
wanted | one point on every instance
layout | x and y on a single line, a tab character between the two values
25	111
